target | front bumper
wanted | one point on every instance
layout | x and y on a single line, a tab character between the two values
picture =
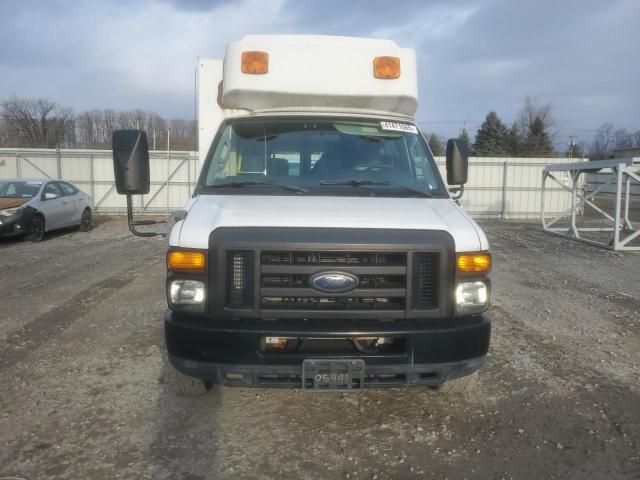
229	353
16	225
11	226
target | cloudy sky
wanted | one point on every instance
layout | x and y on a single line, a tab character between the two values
474	56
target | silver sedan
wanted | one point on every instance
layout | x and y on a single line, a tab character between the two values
35	206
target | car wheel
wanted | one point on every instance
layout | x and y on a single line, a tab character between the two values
36	230
86	222
184	385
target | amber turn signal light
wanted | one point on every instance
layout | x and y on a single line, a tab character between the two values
386	67
470	263
182	260
255	63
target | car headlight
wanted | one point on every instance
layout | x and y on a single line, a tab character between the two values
472	297
10	212
187	292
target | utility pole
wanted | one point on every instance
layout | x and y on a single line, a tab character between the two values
571	144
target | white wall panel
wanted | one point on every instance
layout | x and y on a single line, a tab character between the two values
498	187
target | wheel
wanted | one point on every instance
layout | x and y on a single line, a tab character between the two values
86	221
182	384
36	229
459	386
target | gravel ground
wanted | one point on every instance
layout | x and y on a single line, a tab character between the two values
82	395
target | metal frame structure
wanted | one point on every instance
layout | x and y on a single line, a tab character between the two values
622	172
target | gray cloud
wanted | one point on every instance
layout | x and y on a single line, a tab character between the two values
196	5
473	57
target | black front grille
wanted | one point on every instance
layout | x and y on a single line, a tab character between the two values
267	273
333	303
333	258
283	280
6	229
286	280
240	275
426	287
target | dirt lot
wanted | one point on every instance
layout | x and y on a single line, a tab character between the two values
81	391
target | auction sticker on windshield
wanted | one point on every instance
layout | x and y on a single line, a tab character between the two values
399	127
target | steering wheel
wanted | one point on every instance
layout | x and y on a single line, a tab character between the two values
379	166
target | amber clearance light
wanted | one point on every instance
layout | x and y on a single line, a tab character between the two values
183	260
386	67
471	263
255	63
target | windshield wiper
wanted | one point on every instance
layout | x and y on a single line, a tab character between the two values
354	183
367	183
250	183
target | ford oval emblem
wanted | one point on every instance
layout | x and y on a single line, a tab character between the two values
333	282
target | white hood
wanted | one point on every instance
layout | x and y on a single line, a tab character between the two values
209	212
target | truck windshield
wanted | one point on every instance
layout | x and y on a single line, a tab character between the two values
321	157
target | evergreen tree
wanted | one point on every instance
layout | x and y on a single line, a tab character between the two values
466	140
435	144
515	141
491	139
538	143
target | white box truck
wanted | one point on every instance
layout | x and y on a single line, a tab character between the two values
321	248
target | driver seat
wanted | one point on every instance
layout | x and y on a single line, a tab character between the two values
367	155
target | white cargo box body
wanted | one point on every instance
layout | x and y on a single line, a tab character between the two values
306	73
320	73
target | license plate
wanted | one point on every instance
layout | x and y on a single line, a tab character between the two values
332	375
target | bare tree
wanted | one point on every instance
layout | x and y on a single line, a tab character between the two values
183	133
603	142
42	123
532	110
623	139
156	128
110	123
38	122
87	128
5	136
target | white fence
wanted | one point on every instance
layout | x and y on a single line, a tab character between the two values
501	187
498	187
173	175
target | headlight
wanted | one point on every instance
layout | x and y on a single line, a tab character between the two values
10	212
472	297
186	292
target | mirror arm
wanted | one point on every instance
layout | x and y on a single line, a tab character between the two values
133	223
459	190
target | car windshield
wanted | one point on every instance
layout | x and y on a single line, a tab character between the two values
321	157
19	189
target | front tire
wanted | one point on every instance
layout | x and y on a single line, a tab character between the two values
37	229
86	222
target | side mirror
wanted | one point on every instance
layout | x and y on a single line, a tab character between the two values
131	169
50	196
457	162
131	162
